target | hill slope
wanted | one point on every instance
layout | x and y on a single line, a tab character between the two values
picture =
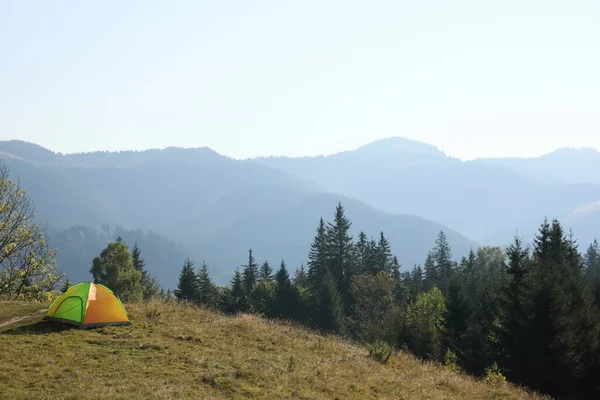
173	351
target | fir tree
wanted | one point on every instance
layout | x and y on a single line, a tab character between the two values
399	288
187	288
361	253
317	258
250	273
564	325
149	284
266	272
207	294
457	316
431	273
592	270
300	277
329	308
516	313
238	297
384	254
371	258
442	257
286	297
341	257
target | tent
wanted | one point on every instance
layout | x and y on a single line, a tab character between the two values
88	305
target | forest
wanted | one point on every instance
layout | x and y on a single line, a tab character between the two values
529	314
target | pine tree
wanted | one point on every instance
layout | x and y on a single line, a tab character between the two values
329	308
431	273
266	272
384	254
341	256
286	304
361	253
250	274
300	277
371	258
238	297
564	326
207	294
516	313
187	288
317	259
592	270
399	287
149	283
457	316
471	275
442	257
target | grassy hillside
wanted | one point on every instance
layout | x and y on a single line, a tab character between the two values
173	351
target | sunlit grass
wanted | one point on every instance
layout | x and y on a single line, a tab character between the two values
175	351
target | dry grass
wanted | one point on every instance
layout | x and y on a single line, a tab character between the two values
172	351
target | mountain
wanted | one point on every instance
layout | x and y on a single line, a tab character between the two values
198	202
477	199
567	165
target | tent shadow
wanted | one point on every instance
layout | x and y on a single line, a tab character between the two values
38	328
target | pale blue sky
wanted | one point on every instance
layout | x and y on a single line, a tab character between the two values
249	78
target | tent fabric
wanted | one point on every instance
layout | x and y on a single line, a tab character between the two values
88	305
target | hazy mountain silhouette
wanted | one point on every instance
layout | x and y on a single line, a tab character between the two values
566	165
481	199
198	202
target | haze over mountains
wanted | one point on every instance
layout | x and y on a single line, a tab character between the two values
194	202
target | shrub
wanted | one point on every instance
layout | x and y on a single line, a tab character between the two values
380	351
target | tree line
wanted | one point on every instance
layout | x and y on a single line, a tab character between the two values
530	314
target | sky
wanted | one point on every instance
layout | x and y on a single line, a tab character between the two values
255	78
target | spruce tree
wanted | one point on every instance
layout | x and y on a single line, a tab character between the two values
457	316
266	272
317	259
187	287
286	304
149	283
361	253
300	277
592	270
207	294
372	258
431	274
399	287
442	257
384	254
341	256
250	273
516	314
238	297
329	307
564	326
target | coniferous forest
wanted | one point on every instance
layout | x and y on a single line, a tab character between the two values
528	314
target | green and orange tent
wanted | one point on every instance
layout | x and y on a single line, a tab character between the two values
88	305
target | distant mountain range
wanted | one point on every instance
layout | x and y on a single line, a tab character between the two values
197	203
487	200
